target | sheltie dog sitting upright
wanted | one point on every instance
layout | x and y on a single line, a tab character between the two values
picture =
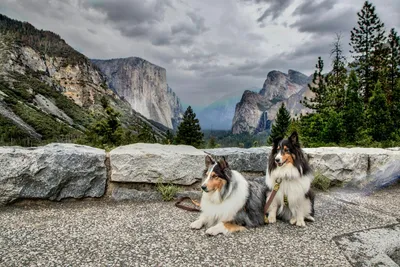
229	202
294	201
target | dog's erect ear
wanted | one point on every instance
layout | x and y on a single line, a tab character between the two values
276	142
225	168
223	164
209	161
294	138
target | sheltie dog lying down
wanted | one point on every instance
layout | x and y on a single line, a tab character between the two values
294	201
229	202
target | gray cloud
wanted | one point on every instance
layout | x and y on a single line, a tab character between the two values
274	10
131	11
208	47
313	7
327	24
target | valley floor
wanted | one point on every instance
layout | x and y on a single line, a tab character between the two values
103	233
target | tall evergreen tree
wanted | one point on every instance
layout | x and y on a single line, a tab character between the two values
281	125
353	111
394	61
169	138
146	134
189	130
395	109
336	80
318	87
378	115
367	42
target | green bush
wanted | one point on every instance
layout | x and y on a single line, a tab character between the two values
168	191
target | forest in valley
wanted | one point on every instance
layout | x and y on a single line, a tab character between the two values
357	102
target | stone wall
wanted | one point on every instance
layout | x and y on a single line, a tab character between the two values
62	171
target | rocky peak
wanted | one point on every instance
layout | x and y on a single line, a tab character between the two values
279	85
297	77
256	112
144	86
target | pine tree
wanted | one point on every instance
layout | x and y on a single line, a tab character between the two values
281	125
395	108
336	80
189	130
211	142
318	87
107	131
394	61
146	134
378	115
169	138
353	111
367	48
332	127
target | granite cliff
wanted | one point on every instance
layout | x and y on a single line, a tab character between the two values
256	111
144	86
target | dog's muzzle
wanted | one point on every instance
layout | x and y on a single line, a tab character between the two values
204	188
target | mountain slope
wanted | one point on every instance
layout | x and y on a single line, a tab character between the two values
144	86
49	91
256	111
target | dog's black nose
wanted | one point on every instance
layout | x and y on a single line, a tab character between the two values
204	187
277	160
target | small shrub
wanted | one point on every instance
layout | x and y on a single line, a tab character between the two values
321	182
167	191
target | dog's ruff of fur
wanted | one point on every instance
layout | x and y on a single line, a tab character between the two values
234	205
296	177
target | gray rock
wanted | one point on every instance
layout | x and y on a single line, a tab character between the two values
191	194
371	247
54	172
349	164
121	193
148	163
243	159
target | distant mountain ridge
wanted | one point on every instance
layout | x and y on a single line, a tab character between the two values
255	112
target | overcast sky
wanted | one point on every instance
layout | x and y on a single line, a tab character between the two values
209	47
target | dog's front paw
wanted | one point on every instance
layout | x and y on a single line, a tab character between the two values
217	229
301	223
271	219
196	224
293	221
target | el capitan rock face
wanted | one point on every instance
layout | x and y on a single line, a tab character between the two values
144	86
256	111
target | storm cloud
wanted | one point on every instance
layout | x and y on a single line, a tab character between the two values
209	48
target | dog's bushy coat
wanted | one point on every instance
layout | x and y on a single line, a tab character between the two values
229	202
288	164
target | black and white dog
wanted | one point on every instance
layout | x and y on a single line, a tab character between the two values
229	202
294	201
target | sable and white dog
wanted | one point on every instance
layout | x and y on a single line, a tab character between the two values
229	202
294	201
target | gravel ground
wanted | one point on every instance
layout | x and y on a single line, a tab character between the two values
103	233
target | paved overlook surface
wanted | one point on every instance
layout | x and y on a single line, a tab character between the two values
105	233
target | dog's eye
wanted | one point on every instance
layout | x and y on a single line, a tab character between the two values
286	150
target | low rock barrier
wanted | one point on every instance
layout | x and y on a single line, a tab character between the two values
62	171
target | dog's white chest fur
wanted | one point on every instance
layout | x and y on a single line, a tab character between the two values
213	207
293	185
